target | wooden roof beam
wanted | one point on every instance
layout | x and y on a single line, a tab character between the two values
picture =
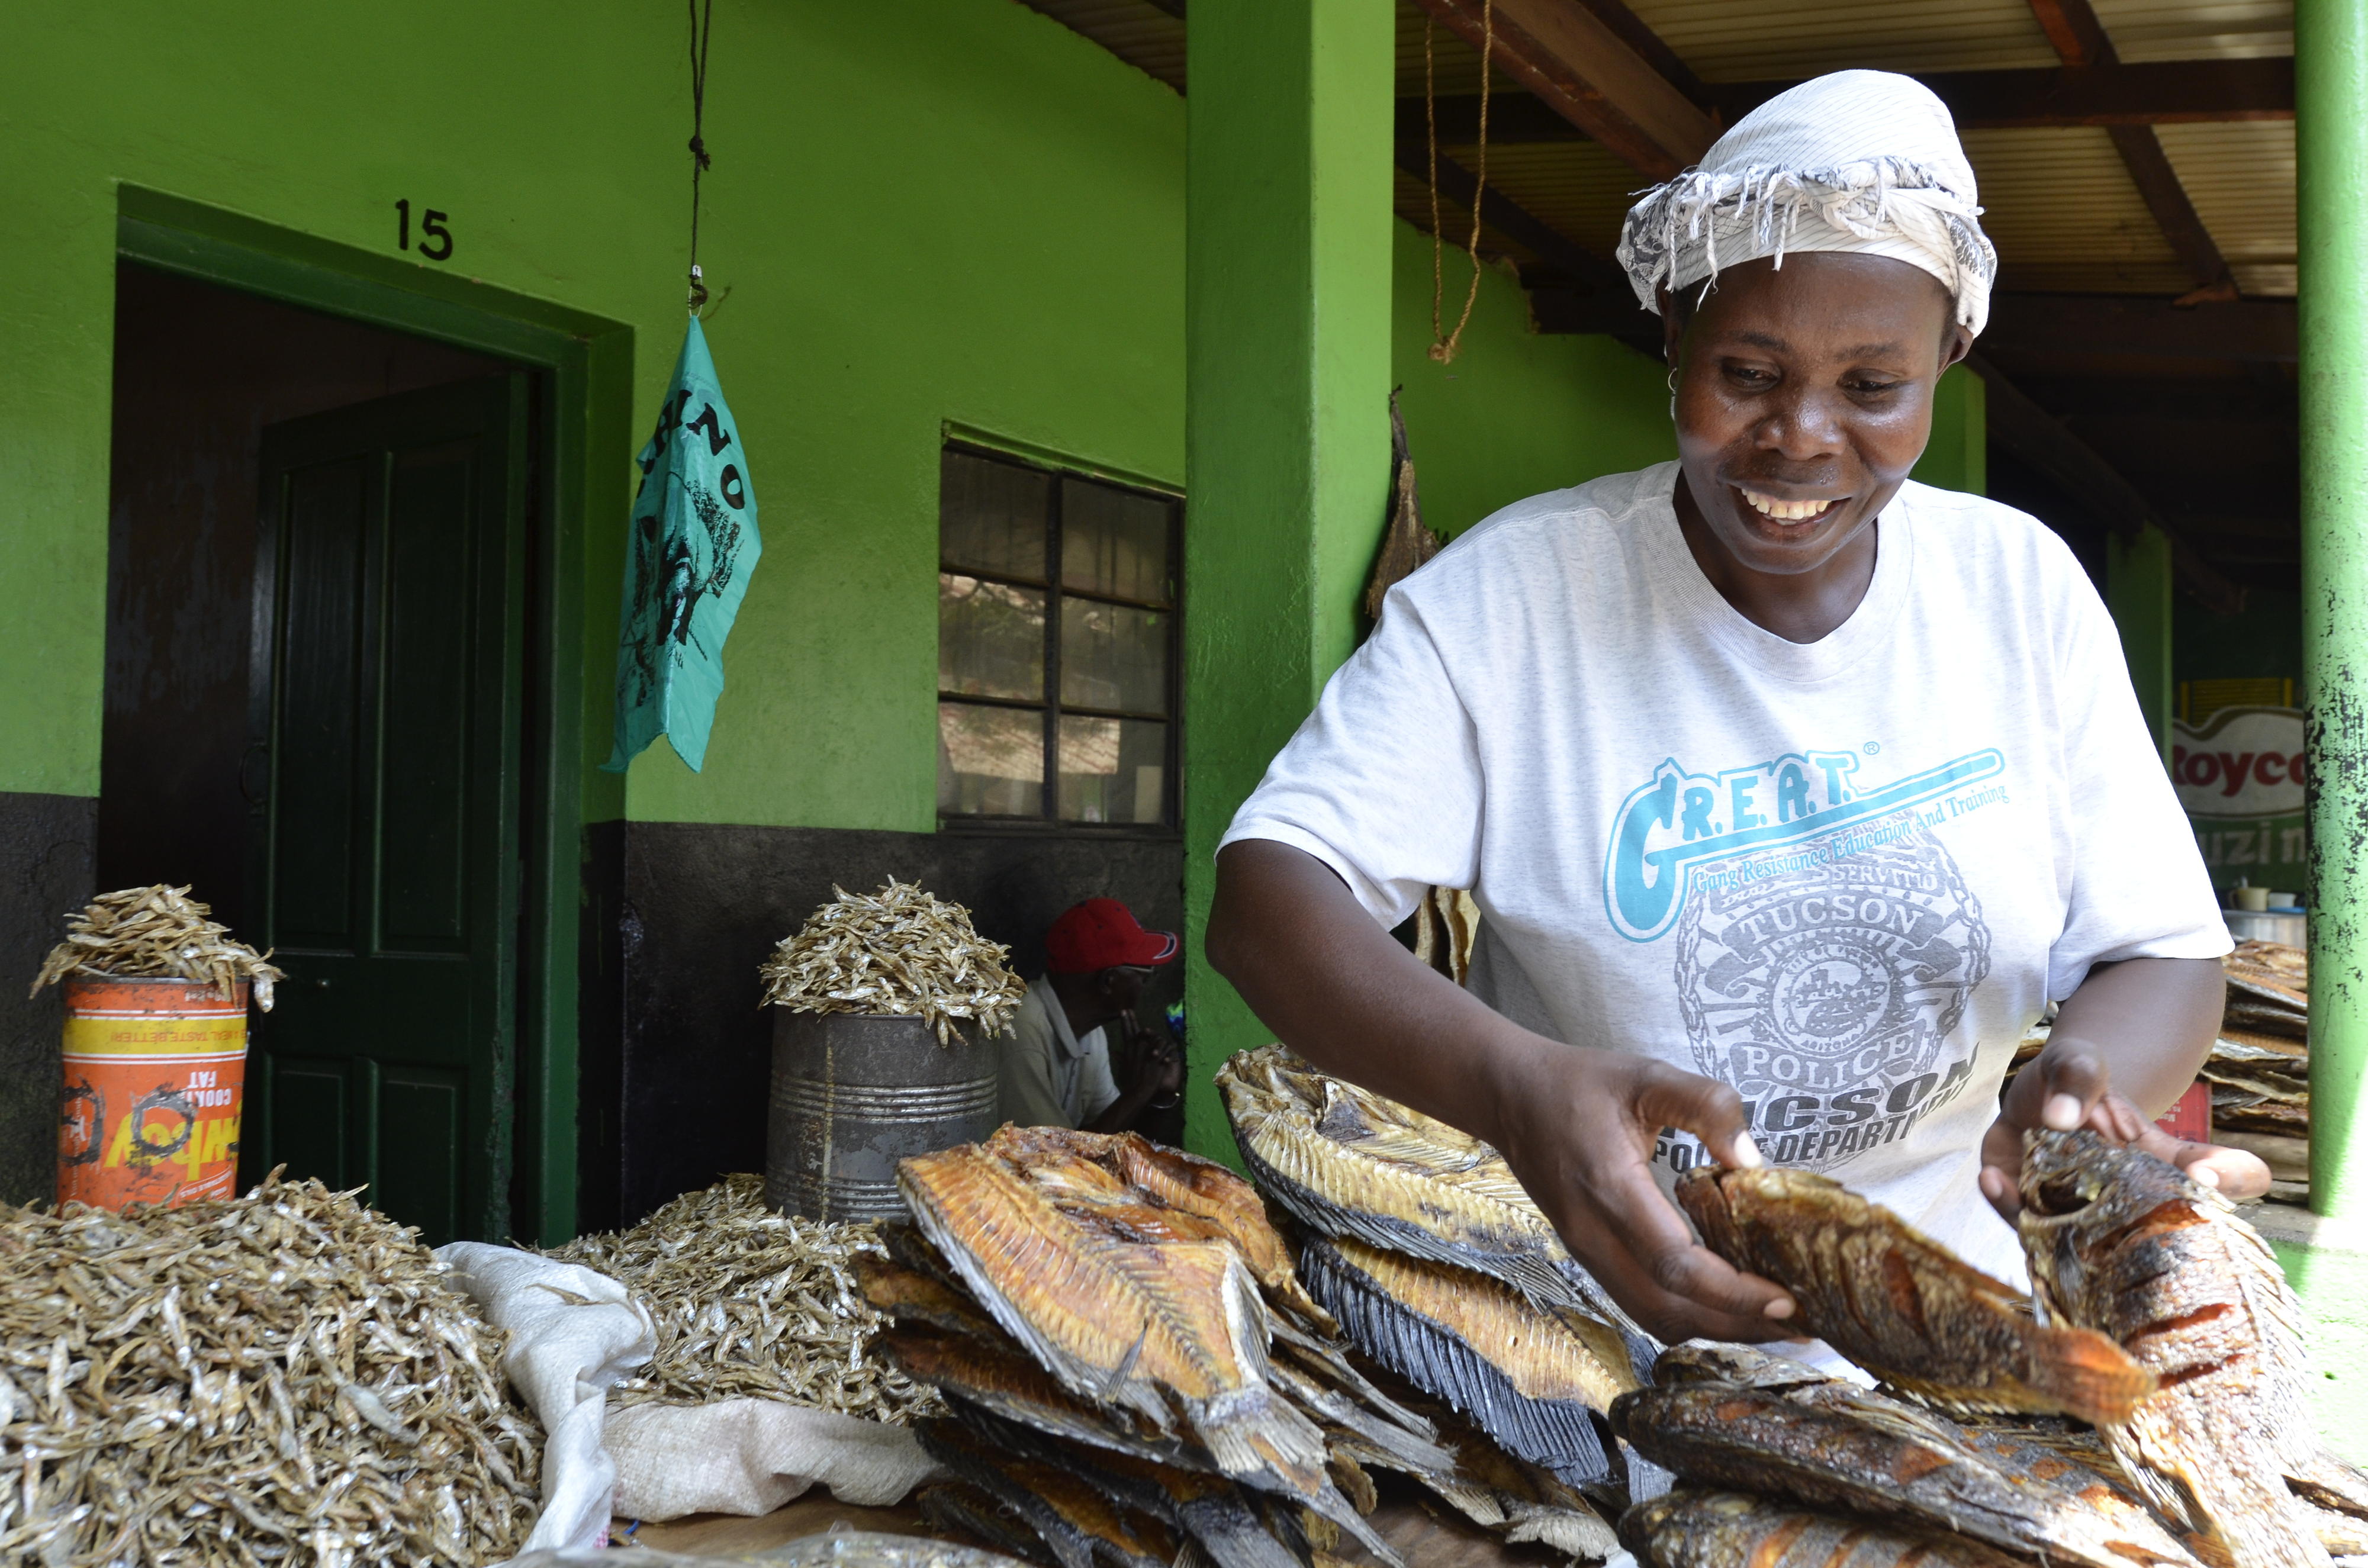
1581	68
2081	43
2179	92
2031	433
2043	325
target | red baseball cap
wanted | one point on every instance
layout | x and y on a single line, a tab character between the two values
1102	933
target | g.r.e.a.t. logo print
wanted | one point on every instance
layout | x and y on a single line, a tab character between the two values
1669	833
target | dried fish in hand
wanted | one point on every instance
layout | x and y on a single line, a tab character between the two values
1348	1163
159	931
280	1377
2127	1244
898	952
1521	1374
751	1302
1840	1447
1903	1306
1690	1528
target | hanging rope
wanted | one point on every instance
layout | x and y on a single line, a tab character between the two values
1444	348
702	27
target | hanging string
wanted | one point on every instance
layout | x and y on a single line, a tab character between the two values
1444	348
702	27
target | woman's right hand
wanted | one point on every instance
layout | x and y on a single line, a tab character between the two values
1578	1127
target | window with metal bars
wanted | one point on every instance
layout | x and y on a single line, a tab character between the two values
1057	651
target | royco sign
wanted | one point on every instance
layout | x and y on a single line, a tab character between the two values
2240	777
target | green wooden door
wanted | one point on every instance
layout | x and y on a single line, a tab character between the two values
385	837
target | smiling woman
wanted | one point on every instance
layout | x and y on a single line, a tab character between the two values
1795	787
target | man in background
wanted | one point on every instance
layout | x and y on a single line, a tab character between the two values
1055	1068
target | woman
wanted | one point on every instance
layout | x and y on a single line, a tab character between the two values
1792	789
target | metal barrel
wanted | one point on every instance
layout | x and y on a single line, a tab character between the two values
855	1093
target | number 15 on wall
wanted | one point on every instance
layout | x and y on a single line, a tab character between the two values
435	239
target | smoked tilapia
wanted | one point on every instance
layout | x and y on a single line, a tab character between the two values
1080	1525
1833	1445
1690	1528
2128	1245
1124	1299
1525	1376
1901	1305
1350	1163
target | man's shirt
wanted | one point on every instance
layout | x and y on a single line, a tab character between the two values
1049	1077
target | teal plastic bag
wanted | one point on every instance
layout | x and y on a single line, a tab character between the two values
694	543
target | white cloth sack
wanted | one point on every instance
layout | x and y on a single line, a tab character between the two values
573	1333
750	1456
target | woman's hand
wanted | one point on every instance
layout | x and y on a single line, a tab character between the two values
2067	1085
1577	1125
1578	1128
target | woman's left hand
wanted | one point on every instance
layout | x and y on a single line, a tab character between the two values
2067	1086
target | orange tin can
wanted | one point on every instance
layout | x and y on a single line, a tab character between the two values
156	1080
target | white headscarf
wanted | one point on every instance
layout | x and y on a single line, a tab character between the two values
1861	161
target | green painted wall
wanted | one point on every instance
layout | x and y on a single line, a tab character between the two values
962	212
1957	455
1516	413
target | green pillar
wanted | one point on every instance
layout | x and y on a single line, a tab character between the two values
1956	455
2137	590
2330	1263
1287	325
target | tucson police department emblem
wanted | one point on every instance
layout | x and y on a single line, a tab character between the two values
1824	985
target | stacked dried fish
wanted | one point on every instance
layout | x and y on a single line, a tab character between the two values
2259	1067
752	1304
1134	1375
2128	1245
898	952
1438	1265
2167	1325
280	1377
159	931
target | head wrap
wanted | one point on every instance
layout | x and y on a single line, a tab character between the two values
1863	161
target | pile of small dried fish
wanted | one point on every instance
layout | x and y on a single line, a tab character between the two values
1135	1376
2168	1326
158	931
899	951
752	1304
281	1378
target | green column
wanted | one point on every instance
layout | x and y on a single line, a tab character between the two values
2327	1257
2332	147
1287	323
2137	590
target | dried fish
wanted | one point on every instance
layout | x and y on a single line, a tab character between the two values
2127	1244
1350	1163
1079	1525
281	1378
1900	1304
1519	1373
961	1510
1690	1528
159	931
751	1302
1833	1445
898	952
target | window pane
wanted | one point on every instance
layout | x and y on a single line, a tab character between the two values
1113	656
991	516
1113	771
990	639
1115	541
990	761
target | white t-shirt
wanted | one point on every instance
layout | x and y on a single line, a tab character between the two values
1842	876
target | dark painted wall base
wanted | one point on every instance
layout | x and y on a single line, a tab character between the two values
47	851
677	1054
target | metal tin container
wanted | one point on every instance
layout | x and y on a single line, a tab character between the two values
156	1080
852	1095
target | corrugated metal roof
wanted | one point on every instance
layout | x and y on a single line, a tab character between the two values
2241	177
2064	213
1750	41
2197	30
